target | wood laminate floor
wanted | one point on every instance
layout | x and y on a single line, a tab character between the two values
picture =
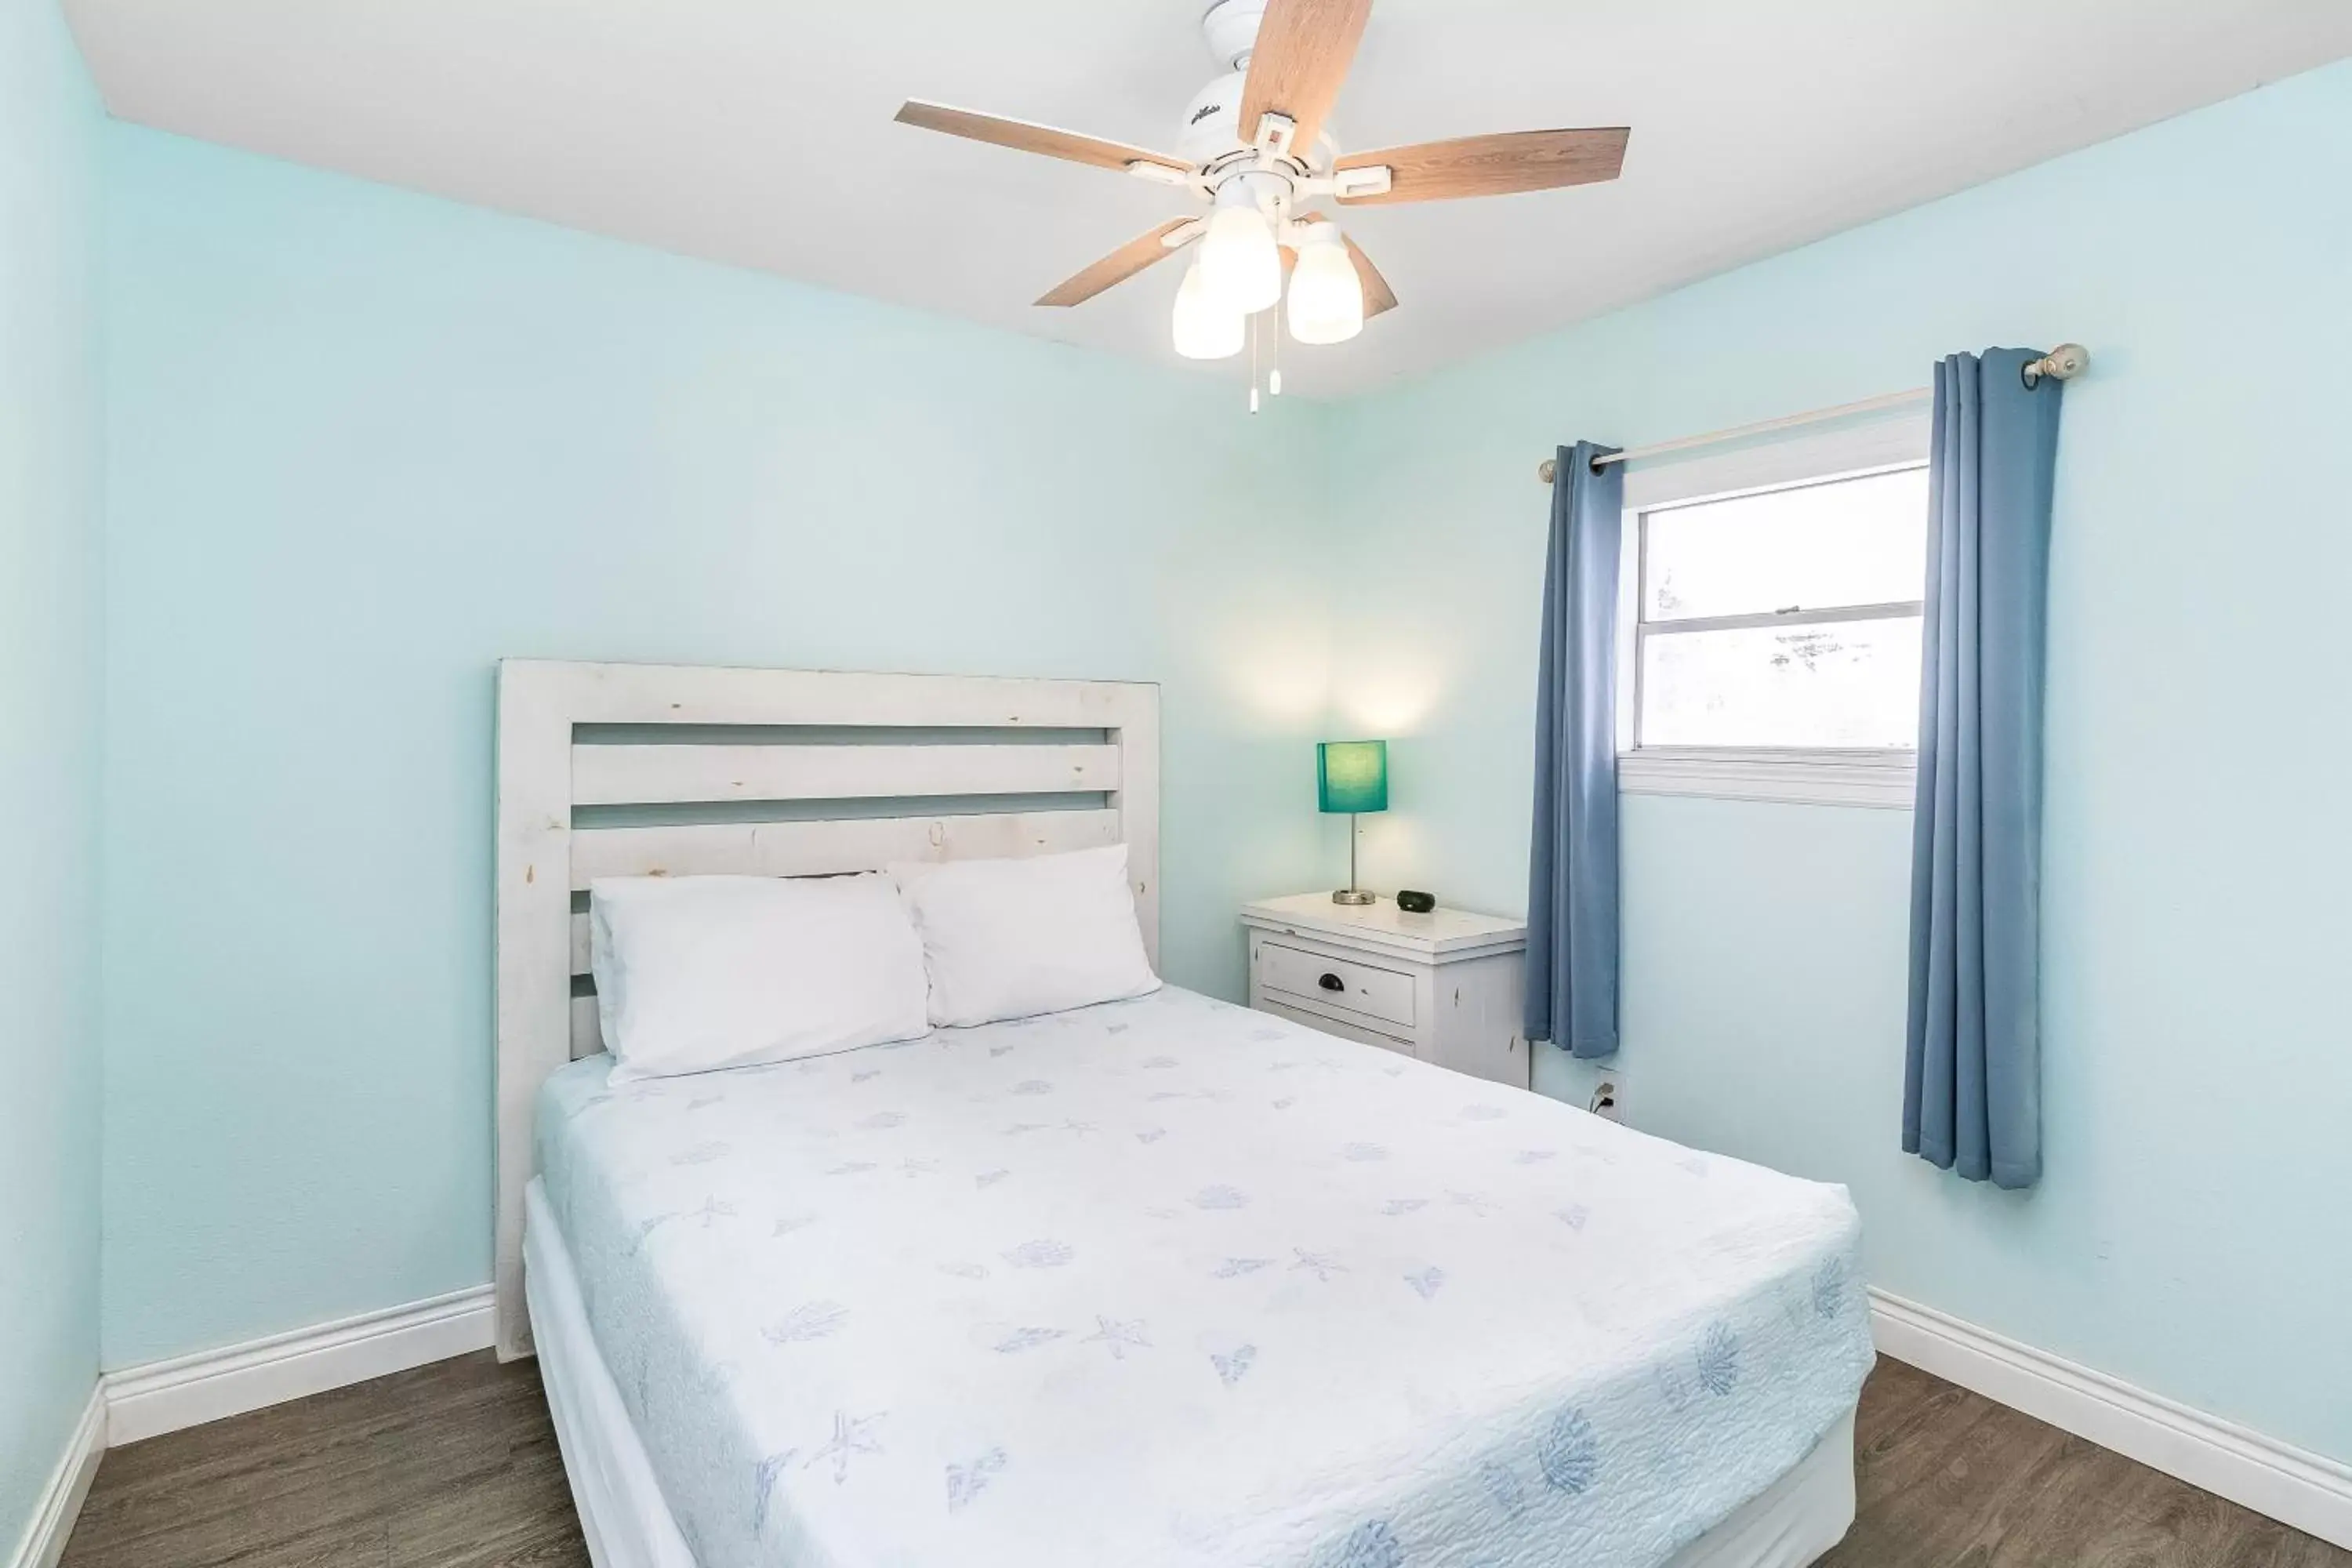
454	1466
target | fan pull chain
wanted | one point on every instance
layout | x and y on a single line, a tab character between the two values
1252	336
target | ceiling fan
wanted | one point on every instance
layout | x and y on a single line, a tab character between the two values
1256	147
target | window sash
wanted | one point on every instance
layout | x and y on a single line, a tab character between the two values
1893	610
1825	775
1645	628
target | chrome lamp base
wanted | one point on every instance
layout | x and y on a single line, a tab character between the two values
1352	894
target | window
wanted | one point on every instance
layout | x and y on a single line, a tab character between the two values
1772	641
1788	618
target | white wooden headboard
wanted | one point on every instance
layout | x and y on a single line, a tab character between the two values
611	770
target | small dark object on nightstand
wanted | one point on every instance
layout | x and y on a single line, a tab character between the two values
1414	903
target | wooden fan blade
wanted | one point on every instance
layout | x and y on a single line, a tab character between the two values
1118	267
1303	51
1023	137
1378	295
1493	165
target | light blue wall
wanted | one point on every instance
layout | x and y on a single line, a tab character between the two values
2190	1235
363	444
51	473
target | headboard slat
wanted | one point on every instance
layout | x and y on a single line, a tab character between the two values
631	775
587	1035
828	848
723	695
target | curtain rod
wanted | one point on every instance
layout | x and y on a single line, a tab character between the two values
2065	362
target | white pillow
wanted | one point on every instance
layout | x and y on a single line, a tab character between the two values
698	973
1006	939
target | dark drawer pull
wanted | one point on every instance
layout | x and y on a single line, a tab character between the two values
1332	983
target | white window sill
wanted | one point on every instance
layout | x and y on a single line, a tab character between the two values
1881	779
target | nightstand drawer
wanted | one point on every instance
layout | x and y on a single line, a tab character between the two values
1382	994
1330	1026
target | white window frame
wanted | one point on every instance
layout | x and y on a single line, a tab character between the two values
1807	775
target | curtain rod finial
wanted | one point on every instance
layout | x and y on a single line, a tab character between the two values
1545	469
2065	362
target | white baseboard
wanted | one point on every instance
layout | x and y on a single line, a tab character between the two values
187	1391
60	1503
2295	1487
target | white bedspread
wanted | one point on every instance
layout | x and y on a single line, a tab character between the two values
1168	1281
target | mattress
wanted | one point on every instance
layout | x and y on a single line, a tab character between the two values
1167	1281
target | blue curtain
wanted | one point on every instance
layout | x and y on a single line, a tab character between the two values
1573	861
1972	1071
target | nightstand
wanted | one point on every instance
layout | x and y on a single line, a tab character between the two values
1445	986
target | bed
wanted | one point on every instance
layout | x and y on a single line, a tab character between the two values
1158	1282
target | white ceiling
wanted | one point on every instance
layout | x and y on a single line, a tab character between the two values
761	134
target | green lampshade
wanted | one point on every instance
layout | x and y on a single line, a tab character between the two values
1353	775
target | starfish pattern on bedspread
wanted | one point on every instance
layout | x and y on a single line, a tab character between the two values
966	1481
852	1435
1119	1338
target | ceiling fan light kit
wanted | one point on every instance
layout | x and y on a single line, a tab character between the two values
1254	148
1204	329
1239	264
1327	298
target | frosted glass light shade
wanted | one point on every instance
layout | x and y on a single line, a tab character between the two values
1327	298
1239	264
1204	329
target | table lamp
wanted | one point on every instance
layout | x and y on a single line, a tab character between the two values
1351	777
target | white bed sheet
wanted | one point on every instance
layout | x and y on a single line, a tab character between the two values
1171	1282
